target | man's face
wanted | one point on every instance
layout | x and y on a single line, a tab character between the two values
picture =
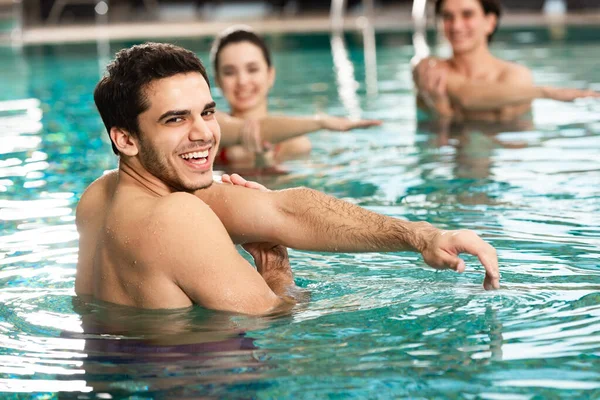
179	134
465	24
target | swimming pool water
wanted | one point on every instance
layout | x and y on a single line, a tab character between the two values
377	325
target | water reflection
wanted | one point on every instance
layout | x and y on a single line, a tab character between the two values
187	352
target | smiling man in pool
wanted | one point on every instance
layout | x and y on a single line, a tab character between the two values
158	233
473	84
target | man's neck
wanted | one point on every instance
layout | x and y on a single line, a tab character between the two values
474	62
131	172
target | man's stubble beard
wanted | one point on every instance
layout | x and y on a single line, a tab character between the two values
155	164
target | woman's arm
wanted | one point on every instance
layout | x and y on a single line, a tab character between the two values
275	129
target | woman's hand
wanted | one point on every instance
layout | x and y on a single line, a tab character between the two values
341	124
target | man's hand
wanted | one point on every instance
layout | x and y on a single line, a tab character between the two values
443	247
345	124
563	94
271	260
431	79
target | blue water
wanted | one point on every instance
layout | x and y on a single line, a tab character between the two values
377	325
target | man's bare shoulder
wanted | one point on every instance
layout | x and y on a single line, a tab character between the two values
515	73
178	229
179	210
97	195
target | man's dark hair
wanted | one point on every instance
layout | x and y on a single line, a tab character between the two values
237	34
489	7
120	97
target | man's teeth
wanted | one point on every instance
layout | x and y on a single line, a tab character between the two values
196	154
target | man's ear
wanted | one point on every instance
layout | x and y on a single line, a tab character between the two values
124	142
492	21
271	76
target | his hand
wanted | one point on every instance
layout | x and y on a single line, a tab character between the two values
562	94
345	124
269	258
431	77
444	247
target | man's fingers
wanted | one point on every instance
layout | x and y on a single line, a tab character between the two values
469	242
452	262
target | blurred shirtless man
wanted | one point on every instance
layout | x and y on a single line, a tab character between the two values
157	233
473	84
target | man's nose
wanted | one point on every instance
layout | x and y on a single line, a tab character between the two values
457	23
200	131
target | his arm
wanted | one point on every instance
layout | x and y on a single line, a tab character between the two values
271	259
200	258
430	76
275	129
306	219
513	88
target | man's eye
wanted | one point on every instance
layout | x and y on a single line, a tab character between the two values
174	120
208	113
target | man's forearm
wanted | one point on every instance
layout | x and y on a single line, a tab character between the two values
314	221
488	96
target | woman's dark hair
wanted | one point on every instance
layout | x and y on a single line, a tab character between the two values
489	7
120	97
236	34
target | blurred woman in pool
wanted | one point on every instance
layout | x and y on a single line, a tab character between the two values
244	72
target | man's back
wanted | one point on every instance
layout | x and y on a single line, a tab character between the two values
117	231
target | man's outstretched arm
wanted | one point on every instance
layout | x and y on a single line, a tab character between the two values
515	88
306	219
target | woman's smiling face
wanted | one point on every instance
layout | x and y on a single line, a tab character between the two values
244	77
